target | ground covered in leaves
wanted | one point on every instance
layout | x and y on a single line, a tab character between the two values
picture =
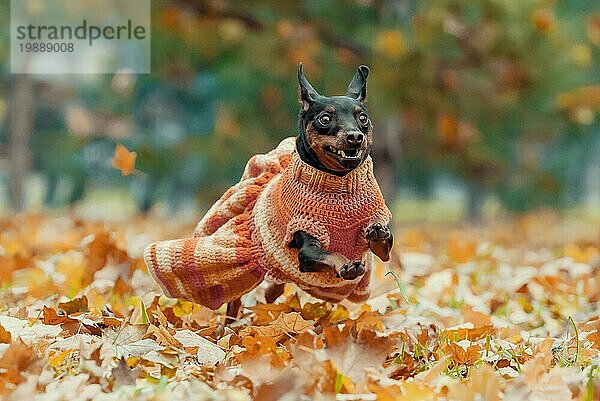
507	310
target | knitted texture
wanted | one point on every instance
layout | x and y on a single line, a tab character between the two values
244	237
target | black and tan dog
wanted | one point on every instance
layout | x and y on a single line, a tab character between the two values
335	135
307	213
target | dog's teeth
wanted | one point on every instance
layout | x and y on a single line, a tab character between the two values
342	153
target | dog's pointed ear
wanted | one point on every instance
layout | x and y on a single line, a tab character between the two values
306	93
358	86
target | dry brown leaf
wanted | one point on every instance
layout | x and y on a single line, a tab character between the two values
267	313
478	319
283	385
99	250
255	347
5	336
164	337
469	334
75	305
351	355
208	353
16	360
464	356
122	287
123	375
286	324
484	385
369	320
52	317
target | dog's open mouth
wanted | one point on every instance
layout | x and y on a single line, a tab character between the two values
352	154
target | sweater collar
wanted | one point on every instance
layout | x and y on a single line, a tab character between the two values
321	181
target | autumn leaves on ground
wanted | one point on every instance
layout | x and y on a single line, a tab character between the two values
507	310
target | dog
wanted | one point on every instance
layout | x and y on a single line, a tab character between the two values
307	212
335	135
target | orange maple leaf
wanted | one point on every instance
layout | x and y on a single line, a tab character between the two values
124	160
5	336
462	356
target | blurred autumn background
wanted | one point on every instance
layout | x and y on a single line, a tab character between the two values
480	107
485	111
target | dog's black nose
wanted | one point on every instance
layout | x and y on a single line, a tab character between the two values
355	138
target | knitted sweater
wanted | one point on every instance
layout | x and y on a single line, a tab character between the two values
244	237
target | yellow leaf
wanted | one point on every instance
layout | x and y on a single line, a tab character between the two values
340	314
59	359
183	308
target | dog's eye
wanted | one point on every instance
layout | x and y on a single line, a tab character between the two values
363	119
325	120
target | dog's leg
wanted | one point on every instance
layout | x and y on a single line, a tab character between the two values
273	292
380	239
233	308
313	258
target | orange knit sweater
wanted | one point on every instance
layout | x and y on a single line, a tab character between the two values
244	237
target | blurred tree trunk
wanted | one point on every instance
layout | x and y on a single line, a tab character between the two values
21	120
475	200
386	155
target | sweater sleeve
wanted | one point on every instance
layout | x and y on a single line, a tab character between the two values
382	216
309	226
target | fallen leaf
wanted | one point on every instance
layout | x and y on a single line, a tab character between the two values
59	358
137	348
471	334
351	355
124	160
286	324
464	356
484	385
5	336
75	305
16	360
123	375
139	314
208	353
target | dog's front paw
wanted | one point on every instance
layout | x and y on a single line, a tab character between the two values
377	232
352	270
